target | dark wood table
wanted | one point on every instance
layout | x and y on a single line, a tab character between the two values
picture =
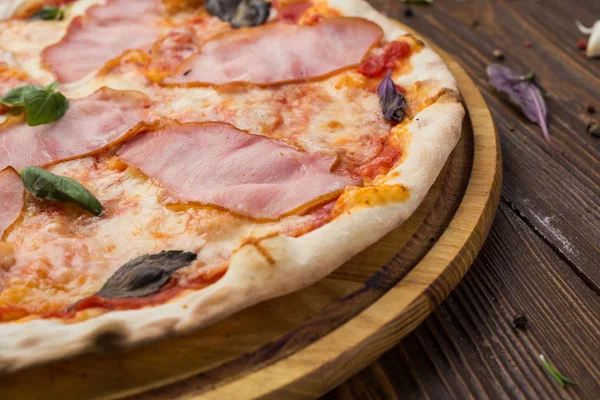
542	256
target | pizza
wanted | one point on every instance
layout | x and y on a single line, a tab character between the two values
167	163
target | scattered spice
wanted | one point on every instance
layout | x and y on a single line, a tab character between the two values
187	72
498	55
591	108
512	128
581	44
593	129
558	377
475	23
408	12
520	320
527	44
522	92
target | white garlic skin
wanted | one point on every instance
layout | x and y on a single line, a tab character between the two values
593	45
593	48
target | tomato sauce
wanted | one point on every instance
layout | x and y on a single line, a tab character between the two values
128	303
382	163
292	13
12	313
322	214
376	65
170	291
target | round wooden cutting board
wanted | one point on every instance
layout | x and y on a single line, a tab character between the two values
303	344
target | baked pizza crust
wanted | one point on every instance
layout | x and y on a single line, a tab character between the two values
268	267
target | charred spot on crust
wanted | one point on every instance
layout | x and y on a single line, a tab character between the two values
109	339
30	342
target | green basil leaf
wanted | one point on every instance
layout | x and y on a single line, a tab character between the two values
239	13
44	106
51	87
49	13
560	378
145	275
16	96
46	185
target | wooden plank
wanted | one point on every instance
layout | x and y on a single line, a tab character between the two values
555	192
469	347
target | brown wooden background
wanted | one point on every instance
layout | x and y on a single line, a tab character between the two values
543	254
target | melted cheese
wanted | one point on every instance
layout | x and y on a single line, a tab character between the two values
63	254
337	115
59	254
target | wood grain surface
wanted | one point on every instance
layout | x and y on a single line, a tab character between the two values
543	254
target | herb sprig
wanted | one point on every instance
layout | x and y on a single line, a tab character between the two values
145	275
558	377
46	185
391	101
42	105
522	92
49	13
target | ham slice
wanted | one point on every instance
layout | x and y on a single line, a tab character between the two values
91	124
101	35
279	53
11	198
170	51
217	164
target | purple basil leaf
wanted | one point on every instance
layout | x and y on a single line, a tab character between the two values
523	93
392	102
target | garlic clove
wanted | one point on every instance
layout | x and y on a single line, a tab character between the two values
593	47
583	29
